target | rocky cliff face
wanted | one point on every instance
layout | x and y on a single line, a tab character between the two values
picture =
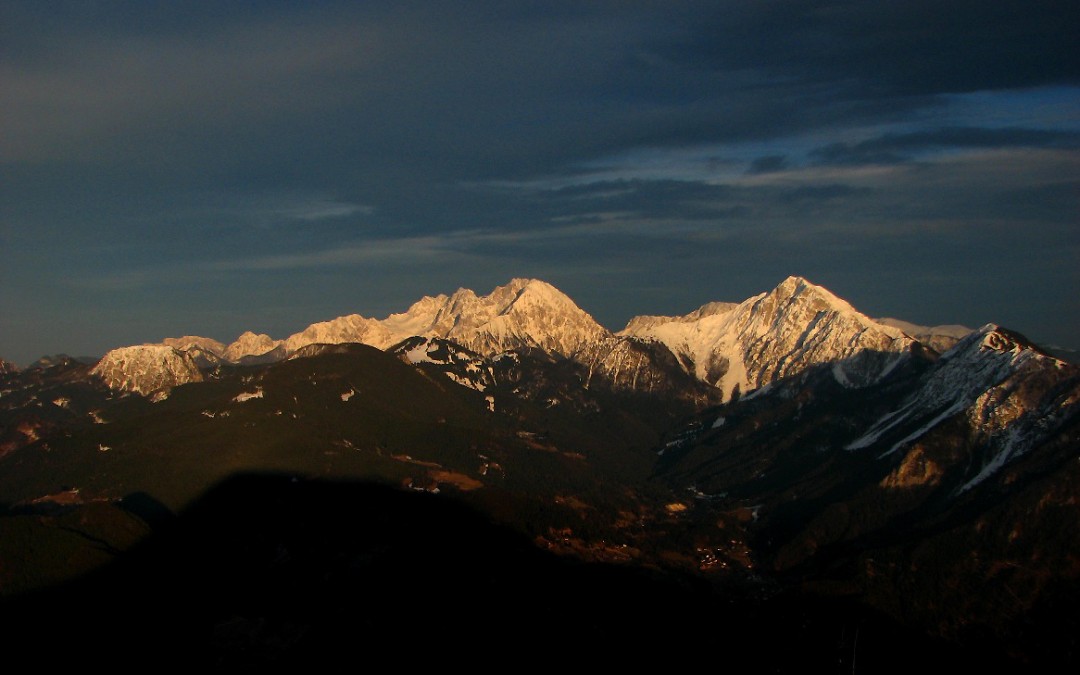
146	369
630	364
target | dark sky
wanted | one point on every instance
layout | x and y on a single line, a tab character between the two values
171	168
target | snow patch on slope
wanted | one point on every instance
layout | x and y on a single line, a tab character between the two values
248	395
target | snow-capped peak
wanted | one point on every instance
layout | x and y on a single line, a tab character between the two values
523	313
779	334
250	344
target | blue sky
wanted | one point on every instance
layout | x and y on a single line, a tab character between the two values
171	168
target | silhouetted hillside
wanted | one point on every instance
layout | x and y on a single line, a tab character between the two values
270	571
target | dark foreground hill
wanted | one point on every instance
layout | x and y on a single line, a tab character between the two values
271	571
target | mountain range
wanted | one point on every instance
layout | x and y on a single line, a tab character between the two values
782	451
735	347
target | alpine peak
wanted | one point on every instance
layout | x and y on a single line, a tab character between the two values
250	344
778	334
799	289
523	313
189	342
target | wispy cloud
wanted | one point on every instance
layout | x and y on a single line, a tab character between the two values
326	210
377	252
273	209
892	148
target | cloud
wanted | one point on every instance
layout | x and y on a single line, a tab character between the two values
326	210
913	48
129	90
376	252
898	147
768	164
266	210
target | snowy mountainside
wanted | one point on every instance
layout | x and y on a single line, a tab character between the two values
630	364
344	329
950	483
614	364
147	369
523	313
461	365
1011	396
737	348
644	322
527	313
777	334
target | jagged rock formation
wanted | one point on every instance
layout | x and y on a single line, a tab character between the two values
523	313
146	369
